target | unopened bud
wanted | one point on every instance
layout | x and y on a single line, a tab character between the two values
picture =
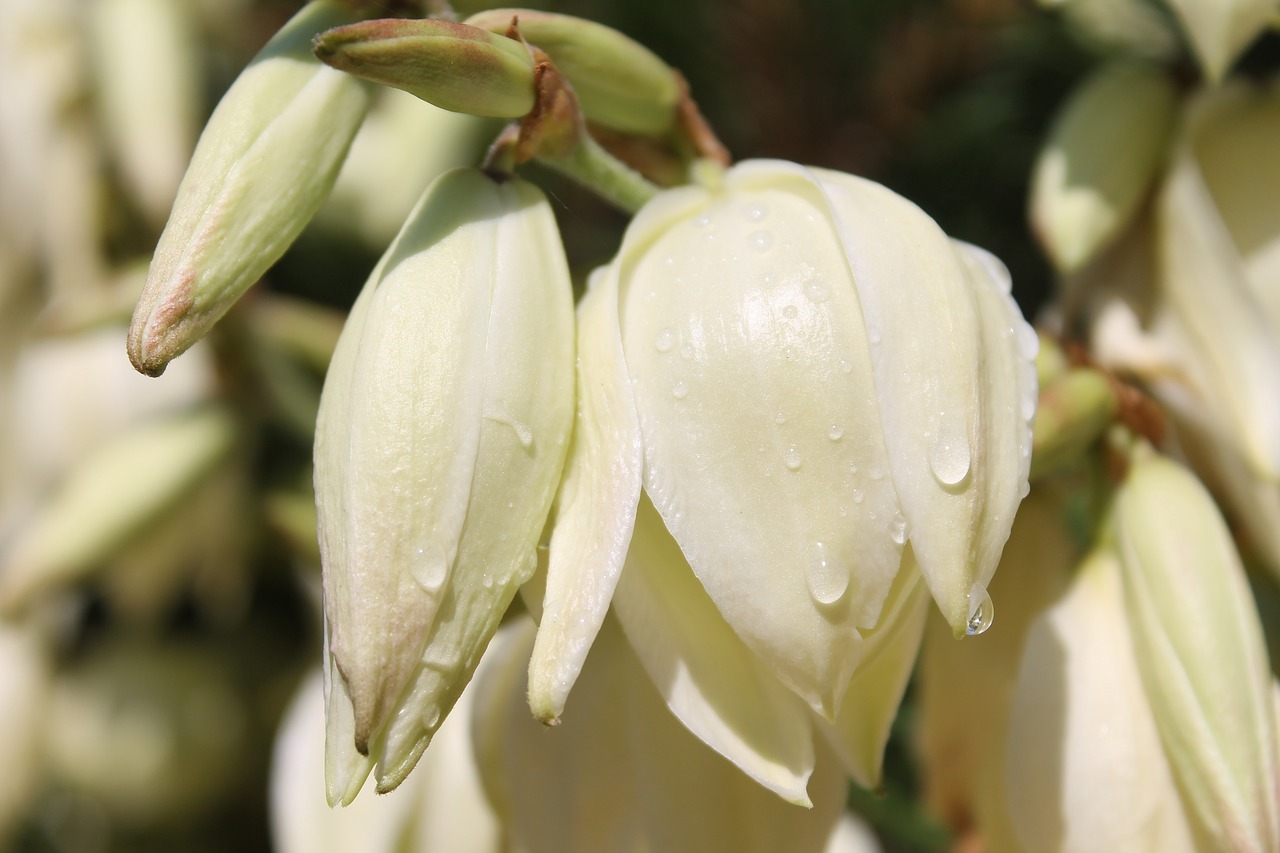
454	66
620	83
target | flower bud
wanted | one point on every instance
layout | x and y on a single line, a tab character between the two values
806	375
454	66
112	496
620	83
440	440
262	167
1102	156
1201	653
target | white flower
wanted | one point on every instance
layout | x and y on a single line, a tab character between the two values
811	381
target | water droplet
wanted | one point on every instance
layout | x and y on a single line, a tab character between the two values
789	353
877	473
680	389
873	335
768	279
755	212
686	352
981	616
780	419
827	581
844	512
846	366
817	290
524	434
709	237
665	341
791	458
949	458
760	241
853	467
835	432
511	504
429	567
1028	406
486	580
702	221
669	261
858	496
790	312
898	530
431	718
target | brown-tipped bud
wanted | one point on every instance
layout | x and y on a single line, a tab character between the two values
620	82
454	66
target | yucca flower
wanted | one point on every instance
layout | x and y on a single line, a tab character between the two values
818	392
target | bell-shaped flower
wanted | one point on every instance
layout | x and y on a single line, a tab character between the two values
1201	653
441	436
1083	764
264	164
808	378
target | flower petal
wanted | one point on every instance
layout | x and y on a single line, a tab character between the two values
709	679
1219	30
597	505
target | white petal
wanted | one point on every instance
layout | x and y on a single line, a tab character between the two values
709	679
861	731
597	504
528	412
1085	767
396	447
1212	319
919	304
763	446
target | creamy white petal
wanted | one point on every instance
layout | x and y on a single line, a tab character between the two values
923	318
1085	769
763	445
710	680
597	504
1220	30
1229	353
396	449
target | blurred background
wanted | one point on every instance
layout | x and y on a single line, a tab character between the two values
144	667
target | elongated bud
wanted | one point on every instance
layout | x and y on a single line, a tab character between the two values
441	438
453	66
262	167
1100	160
621	83
112	496
1201	653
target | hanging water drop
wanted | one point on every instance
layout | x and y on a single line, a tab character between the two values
980	617
827	581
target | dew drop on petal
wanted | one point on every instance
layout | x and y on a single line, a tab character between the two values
949	458
835	432
817	290
790	312
873	335
429	566
755	212
858	496
827	581
680	389
791	458
780	418
981	616
760	241
898	530
665	340
877	473
431	718
524	434
702	221
686	352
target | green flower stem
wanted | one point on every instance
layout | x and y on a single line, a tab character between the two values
599	171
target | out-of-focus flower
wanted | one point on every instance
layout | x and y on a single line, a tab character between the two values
1220	30
810	381
24	688
264	164
966	688
1105	149
441	437
1201	653
148	83
1083	764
